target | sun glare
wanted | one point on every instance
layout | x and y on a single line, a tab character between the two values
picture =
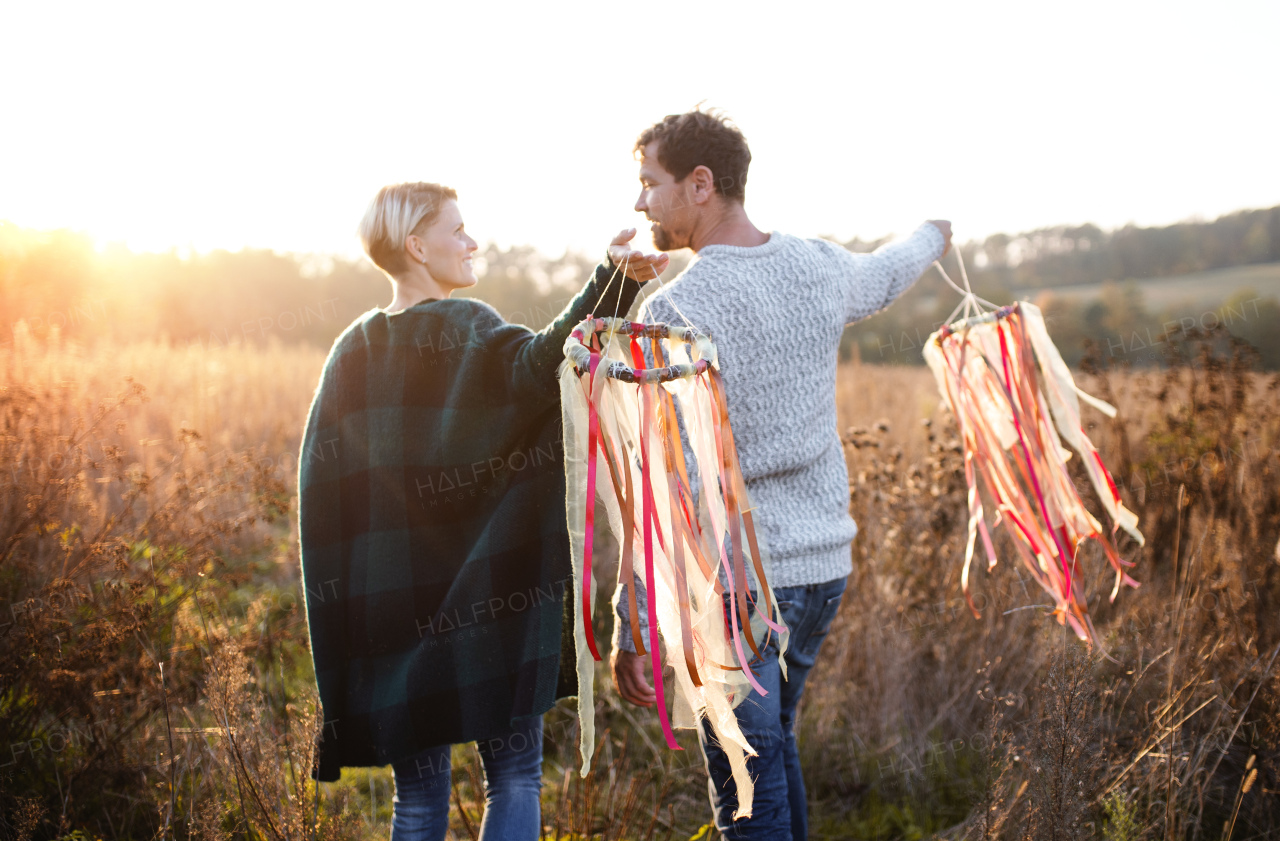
162	127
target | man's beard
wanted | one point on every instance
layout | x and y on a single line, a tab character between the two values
662	240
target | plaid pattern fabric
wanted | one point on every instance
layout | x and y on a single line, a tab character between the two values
431	504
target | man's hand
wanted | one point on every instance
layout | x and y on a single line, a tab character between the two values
944	226
628	677
637	265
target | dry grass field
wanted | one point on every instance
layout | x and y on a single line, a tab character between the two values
154	680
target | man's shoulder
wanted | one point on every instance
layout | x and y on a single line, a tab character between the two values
714	265
781	246
828	249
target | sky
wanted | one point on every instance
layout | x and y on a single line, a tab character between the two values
263	125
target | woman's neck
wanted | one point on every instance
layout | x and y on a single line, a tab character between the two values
413	288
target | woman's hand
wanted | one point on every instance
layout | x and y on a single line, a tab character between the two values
636	265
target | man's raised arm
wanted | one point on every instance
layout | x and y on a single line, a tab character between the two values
887	272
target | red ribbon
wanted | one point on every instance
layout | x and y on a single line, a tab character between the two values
593	435
648	516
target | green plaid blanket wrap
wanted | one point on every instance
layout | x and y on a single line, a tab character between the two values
435	555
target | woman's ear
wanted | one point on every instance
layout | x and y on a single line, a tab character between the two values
415	249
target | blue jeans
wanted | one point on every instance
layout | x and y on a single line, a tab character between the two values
780	810
512	787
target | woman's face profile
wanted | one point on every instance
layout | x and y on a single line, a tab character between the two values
448	249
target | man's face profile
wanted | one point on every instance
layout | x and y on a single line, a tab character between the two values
664	202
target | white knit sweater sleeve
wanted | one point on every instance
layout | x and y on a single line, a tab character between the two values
884	274
622	614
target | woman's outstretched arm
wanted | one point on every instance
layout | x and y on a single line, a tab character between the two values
609	291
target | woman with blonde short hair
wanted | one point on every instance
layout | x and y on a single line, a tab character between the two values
433	538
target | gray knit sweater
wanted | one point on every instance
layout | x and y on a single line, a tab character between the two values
776	312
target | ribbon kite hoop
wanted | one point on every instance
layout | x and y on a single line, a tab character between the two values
683	524
1012	396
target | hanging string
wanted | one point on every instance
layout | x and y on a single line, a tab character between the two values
662	287
618	304
609	285
626	263
672	300
969	303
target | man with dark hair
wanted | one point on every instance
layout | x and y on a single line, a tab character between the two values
776	305
685	141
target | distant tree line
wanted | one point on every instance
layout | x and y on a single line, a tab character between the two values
57	284
1118	322
1066	255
